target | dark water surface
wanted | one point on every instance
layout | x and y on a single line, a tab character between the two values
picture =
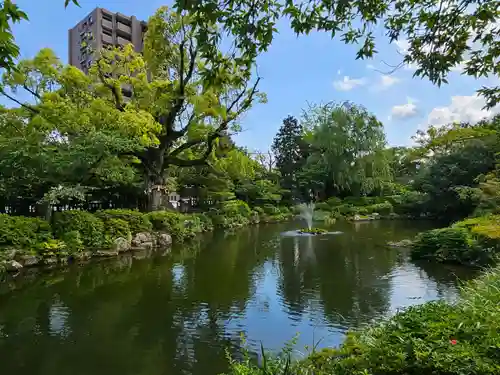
177	313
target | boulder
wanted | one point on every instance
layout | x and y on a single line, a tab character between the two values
12	266
50	261
121	245
142	237
81	255
147	245
106	254
10	254
29	260
402	243
164	240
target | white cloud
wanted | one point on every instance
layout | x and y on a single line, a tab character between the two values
404	110
370	66
461	109
347	84
339	72
388	80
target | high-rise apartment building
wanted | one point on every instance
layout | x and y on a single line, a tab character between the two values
99	29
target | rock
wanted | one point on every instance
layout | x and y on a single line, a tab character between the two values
81	255
29	260
402	243
121	245
106	254
50	261
164	240
10	254
12	266
142	237
147	245
375	215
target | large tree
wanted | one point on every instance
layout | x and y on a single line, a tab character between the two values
290	151
174	115
347	150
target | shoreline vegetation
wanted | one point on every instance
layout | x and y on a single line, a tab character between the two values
433	338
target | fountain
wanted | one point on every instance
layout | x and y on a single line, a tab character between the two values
307	213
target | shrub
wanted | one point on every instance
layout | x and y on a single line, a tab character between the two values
73	241
52	248
334	201
381	208
137	221
171	222
89	226
411	203
433	338
453	244
205	222
23	231
258	209
323	206
116	228
269	209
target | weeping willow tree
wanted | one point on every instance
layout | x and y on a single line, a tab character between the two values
347	150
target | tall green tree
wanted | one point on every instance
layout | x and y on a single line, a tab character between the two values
173	116
347	150
290	152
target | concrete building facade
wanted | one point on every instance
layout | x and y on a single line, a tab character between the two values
102	28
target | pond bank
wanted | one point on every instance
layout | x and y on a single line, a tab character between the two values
150	309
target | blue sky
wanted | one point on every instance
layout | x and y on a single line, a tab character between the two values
295	71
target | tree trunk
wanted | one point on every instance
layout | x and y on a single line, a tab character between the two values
157	193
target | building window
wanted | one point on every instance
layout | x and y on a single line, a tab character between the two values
107	32
91	20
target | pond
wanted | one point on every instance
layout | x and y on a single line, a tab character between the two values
178	312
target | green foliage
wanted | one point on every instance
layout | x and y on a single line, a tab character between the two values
73	241
290	149
23	231
116	228
137	221
474	241
433	338
346	143
52	249
89	227
381	208
173	223
334	201
466	33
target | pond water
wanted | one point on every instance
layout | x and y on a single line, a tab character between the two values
177	313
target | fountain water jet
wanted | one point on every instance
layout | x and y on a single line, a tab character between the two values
307	213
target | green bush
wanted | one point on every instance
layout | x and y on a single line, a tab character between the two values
258	209
116	228
433	338
89	227
137	221
334	201
205	222
52	249
73	241
323	206
23	231
269	209
171	222
381	208
473	241
411	203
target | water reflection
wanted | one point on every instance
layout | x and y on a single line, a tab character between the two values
177	312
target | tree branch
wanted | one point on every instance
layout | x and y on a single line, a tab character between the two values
28	107
173	159
112	88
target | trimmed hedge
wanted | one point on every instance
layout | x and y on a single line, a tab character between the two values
89	227
473	241
23	231
137	221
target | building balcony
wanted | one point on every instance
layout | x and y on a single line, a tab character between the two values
107	25
123	29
